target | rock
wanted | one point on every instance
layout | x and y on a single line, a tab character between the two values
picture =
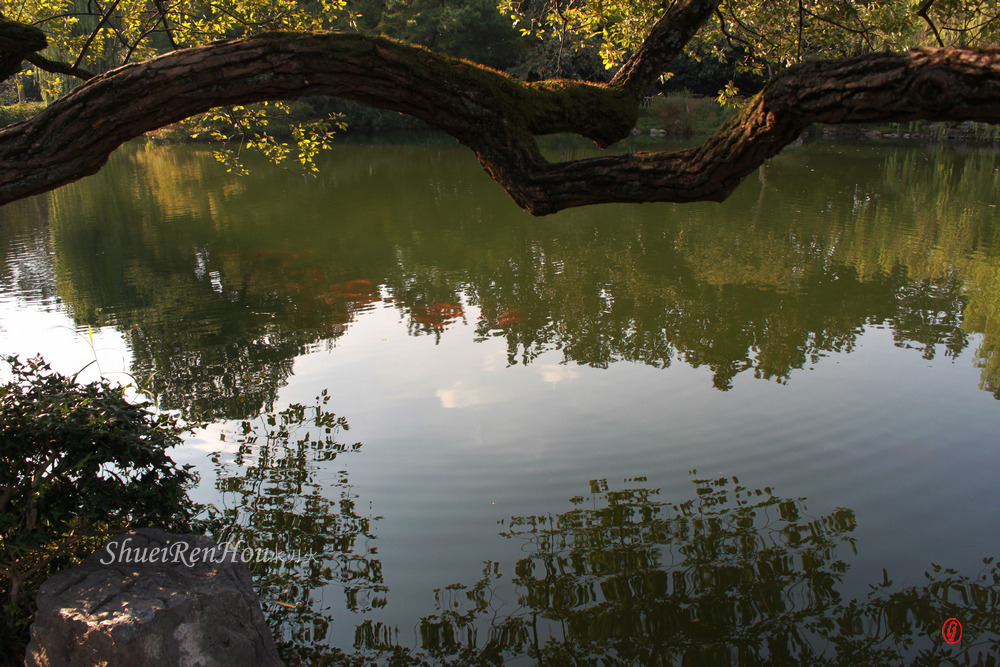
152	598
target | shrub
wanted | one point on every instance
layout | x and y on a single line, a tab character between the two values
15	113
78	465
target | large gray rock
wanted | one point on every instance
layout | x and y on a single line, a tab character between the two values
156	599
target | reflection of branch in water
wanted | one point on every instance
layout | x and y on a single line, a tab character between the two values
280	482
751	580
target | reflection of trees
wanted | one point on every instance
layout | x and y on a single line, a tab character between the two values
732	577
220	287
745	571
283	497
25	248
213	312
982	315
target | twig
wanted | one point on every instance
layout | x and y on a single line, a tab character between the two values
922	13
58	67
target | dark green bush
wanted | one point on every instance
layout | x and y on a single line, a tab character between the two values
78	465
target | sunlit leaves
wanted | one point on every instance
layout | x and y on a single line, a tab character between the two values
617	27
239	127
196	22
101	35
769	34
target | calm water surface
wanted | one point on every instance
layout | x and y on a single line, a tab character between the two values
705	434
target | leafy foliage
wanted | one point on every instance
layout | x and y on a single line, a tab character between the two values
78	465
470	29
101	37
237	127
769	35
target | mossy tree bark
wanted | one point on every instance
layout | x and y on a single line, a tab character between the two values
496	116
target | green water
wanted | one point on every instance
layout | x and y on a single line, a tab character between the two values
701	434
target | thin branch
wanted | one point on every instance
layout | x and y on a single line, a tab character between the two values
730	37
90	39
58	67
166	26
798	44
922	13
862	31
62	16
757	35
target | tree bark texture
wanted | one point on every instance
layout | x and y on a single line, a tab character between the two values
496	116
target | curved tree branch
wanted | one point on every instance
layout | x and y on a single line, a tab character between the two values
57	67
924	84
491	113
922	13
665	42
495	116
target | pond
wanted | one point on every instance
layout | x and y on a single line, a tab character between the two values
633	434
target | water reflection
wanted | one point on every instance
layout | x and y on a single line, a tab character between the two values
732	576
219	287
285	500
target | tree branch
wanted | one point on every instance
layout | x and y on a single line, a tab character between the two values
665	42
58	67
16	41
166	26
922	13
97	30
495	116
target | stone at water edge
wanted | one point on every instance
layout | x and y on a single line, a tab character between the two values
187	612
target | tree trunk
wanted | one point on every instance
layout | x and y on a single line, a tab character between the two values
496	116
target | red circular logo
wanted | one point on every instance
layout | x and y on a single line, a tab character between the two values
952	631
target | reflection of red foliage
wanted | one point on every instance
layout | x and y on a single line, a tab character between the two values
317	304
437	316
445	308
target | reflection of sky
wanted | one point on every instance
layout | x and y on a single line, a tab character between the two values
26	330
456	441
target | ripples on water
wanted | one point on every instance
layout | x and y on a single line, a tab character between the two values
643	431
